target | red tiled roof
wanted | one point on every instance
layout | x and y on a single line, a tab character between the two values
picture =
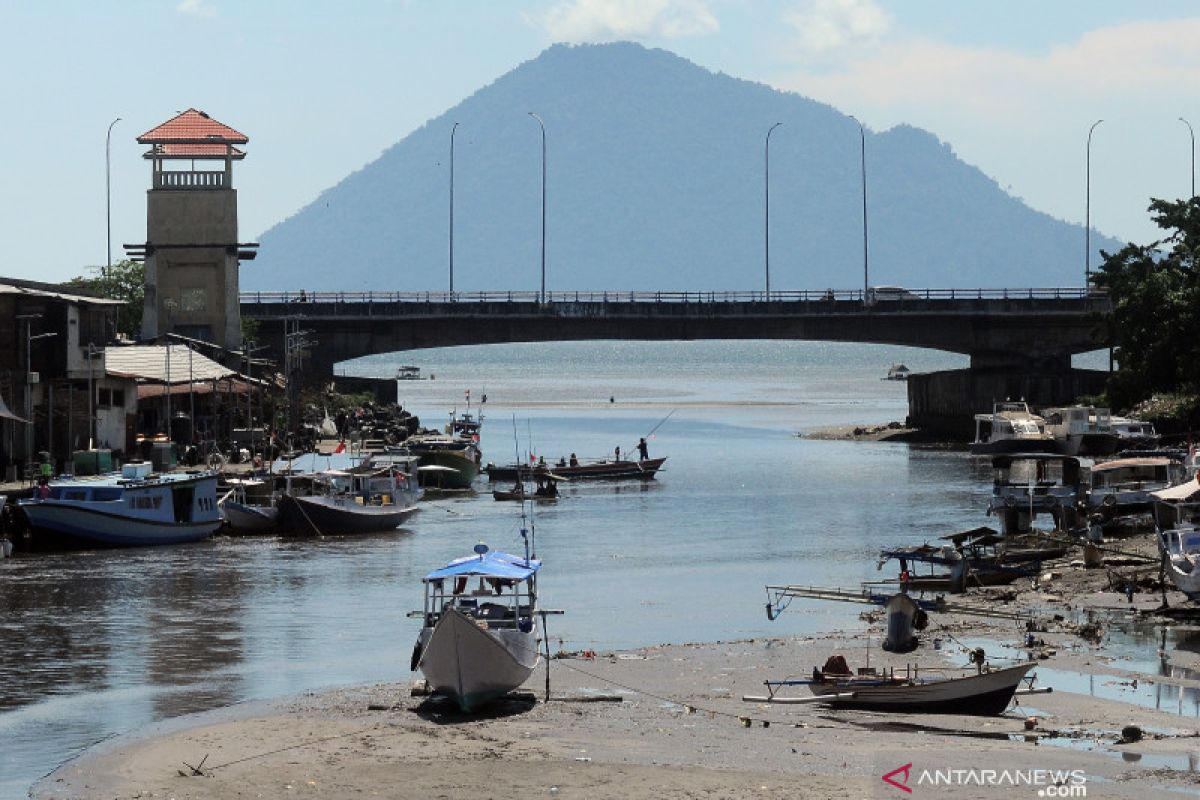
192	127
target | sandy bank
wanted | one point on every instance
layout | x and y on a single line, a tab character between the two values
682	734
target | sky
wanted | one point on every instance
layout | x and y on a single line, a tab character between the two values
322	88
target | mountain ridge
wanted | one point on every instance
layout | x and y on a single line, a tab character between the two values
655	182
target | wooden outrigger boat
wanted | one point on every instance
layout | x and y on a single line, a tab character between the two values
986	693
604	469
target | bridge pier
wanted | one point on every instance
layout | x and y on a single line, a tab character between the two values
946	403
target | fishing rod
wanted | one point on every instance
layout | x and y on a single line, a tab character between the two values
650	433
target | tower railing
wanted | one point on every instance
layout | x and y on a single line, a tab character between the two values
189	180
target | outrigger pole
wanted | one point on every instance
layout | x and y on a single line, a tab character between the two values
776	594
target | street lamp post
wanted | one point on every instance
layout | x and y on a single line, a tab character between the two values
767	209
862	135
1087	221
1193	134
542	294
28	318
108	195
452	130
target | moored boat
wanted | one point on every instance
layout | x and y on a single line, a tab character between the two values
459	456
249	507
1011	428
478	640
1082	430
351	502
131	508
1177	516
1026	485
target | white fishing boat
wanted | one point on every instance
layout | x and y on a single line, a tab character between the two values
479	637
133	507
1135	434
1177	516
1011	428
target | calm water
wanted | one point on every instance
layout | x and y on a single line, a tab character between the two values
97	643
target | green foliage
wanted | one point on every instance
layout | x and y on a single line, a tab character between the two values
250	329
125	280
1155	291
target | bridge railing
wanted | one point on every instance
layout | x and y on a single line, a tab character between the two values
877	297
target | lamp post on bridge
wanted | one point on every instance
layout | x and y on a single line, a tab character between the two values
452	130
1193	134
862	135
542	295
108	195
1087	220
767	208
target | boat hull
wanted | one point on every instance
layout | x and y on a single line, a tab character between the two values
249	519
322	515
465	470
610	470
1014	446
472	665
985	694
76	524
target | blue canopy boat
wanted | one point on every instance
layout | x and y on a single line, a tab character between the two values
479	639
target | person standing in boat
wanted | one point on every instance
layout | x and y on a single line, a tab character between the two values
643	449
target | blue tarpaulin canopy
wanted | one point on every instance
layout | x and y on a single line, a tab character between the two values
492	564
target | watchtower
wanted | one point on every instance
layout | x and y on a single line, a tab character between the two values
191	252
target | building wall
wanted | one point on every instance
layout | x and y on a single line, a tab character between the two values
192	290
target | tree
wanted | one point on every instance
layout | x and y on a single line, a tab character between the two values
1155	291
124	280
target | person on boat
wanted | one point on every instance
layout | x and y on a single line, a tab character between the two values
43	489
643	449
562	462
617	453
575	463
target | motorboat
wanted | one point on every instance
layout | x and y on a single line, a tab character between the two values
544	488
133	507
1011	428
478	638
985	693
601	469
1123	485
408	372
1135	434
342	502
898	372
1083	430
1027	485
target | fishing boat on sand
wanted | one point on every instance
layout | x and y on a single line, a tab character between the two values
478	639
1177	517
986	693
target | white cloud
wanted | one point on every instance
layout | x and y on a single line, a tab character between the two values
196	8
823	27
1023	118
609	20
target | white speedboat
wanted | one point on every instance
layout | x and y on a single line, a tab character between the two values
133	507
479	637
1011	428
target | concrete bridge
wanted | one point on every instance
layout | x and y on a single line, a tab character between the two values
1020	341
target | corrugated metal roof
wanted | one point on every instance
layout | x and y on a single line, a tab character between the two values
8	288
149	362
